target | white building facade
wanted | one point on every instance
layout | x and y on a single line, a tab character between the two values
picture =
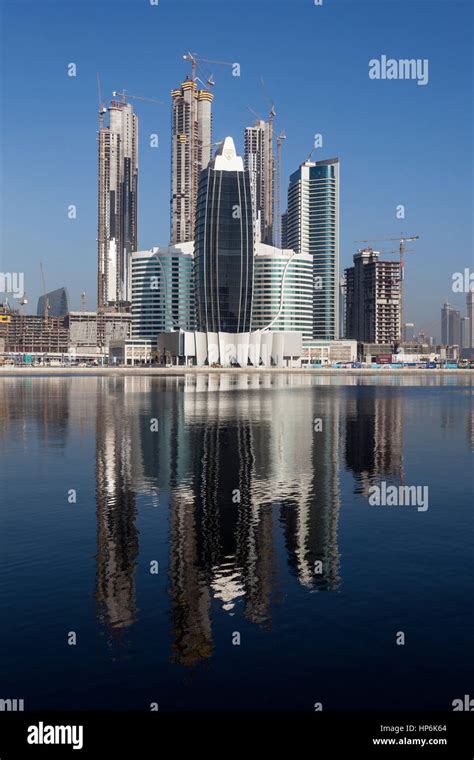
282	291
162	290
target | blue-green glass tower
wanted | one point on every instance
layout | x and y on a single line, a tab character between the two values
313	227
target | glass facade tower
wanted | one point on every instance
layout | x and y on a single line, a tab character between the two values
313	227
224	245
162	291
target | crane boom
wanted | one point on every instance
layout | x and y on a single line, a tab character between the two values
124	95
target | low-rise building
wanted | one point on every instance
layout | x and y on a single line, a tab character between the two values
324	352
131	352
34	335
88	330
259	349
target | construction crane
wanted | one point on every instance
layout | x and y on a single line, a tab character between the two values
196	59
23	303
102	108
210	145
46	299
280	138
402	239
124	95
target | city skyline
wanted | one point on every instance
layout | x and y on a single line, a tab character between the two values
402	165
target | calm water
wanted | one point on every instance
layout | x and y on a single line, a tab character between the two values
315	580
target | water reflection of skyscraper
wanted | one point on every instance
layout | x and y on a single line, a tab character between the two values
374	437
117	536
252	463
236	469
46	404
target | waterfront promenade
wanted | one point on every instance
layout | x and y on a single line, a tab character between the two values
178	371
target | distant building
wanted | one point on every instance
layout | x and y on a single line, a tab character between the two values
313	228
373	299
162	290
282	291
450	326
470	315
191	138
57	301
465	332
259	162
408	332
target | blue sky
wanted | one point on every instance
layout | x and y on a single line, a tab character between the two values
398	142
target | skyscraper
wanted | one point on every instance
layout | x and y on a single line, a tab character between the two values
191	137
313	227
408	332
259	162
224	256
117	217
470	316
450	326
455	328
373	299
465	332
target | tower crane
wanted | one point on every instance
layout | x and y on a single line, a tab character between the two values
196	59
124	95
102	108
402	239
23	303
46	299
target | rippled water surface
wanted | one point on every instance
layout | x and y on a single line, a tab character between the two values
278	584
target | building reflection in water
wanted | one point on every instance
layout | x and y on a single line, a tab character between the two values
46	405
117	535
374	437
249	483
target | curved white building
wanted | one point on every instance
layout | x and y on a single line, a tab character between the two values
283	291
162	290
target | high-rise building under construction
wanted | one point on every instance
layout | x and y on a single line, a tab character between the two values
191	138
260	164
118	185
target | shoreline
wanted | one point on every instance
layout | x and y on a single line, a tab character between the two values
181	371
